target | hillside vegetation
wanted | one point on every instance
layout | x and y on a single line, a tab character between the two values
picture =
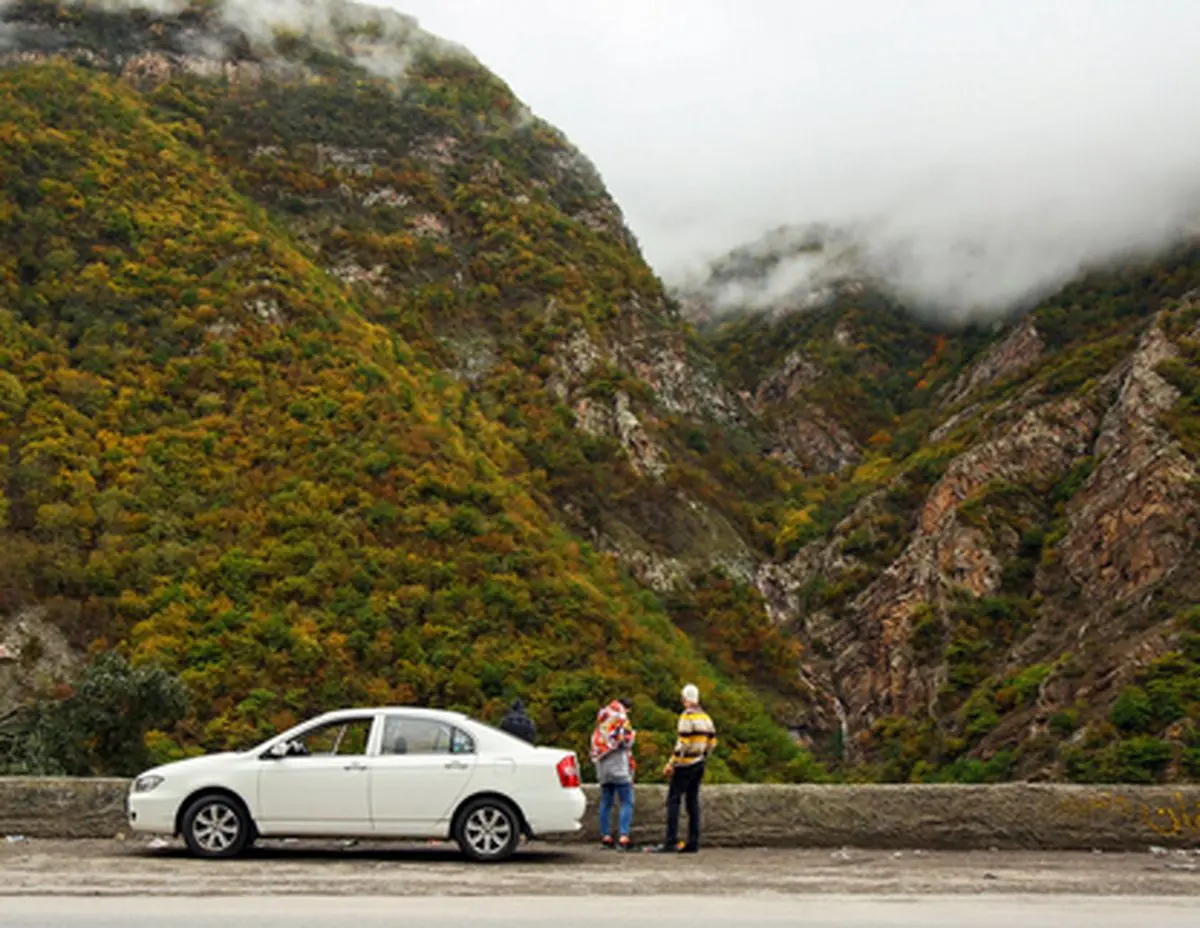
218	457
330	374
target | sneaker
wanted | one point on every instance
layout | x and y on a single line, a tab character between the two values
688	849
606	841
624	844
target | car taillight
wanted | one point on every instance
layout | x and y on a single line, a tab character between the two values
568	772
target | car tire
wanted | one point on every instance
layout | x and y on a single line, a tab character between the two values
488	830
217	826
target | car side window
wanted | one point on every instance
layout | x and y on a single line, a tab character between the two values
346	737
403	735
461	742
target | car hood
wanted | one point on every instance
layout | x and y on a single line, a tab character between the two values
191	765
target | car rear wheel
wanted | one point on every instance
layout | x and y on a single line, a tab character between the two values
216	826
488	830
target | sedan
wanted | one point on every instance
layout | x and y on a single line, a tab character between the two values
367	773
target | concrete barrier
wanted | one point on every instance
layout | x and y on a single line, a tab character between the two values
62	808
1009	816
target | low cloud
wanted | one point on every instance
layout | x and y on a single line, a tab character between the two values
384	40
971	156
978	154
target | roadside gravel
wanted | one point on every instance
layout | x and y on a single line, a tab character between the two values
135	867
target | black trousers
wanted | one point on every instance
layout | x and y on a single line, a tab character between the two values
685	783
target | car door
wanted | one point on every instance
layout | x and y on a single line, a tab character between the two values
320	787
422	768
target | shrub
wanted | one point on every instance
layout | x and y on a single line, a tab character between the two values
100	728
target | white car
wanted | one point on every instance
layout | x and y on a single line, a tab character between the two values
367	773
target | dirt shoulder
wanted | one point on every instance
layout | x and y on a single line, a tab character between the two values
30	867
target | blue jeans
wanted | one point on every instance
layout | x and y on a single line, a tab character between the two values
624	793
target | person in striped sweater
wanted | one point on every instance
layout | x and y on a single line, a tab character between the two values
696	737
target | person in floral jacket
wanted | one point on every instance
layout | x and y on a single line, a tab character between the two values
612	754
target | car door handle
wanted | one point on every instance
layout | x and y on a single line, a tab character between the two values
355	766
457	765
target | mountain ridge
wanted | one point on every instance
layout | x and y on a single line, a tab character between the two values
528	471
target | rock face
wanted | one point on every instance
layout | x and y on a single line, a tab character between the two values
1081	559
1138	518
33	653
873	644
796	374
814	443
1017	352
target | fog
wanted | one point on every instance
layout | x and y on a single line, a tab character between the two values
981	152
974	155
388	55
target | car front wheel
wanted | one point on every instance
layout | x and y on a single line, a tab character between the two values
488	830
216	826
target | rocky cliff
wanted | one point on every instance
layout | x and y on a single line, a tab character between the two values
983	602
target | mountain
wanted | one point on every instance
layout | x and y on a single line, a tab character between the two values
319	354
329	373
996	571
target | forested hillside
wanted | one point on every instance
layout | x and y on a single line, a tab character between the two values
331	374
225	453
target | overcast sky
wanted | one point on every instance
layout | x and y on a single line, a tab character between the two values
1046	133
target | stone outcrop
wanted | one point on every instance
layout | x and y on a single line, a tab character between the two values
1019	351
33	653
813	442
681	385
807	438
1133	525
874	663
797	373
1138	518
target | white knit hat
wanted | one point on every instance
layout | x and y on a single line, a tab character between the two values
691	694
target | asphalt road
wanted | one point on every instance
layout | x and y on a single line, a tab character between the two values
593	912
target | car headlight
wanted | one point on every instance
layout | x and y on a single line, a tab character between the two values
146	784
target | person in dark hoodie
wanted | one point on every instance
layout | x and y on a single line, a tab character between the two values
518	724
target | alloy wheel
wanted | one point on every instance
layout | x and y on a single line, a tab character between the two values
488	831
216	827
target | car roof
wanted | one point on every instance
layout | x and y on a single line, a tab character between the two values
443	714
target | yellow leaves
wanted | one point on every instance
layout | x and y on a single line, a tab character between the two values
795	526
61	196
379	692
305	636
874	471
798	517
132	605
158	649
96	275
11	136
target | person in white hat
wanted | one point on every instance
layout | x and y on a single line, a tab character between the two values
694	744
